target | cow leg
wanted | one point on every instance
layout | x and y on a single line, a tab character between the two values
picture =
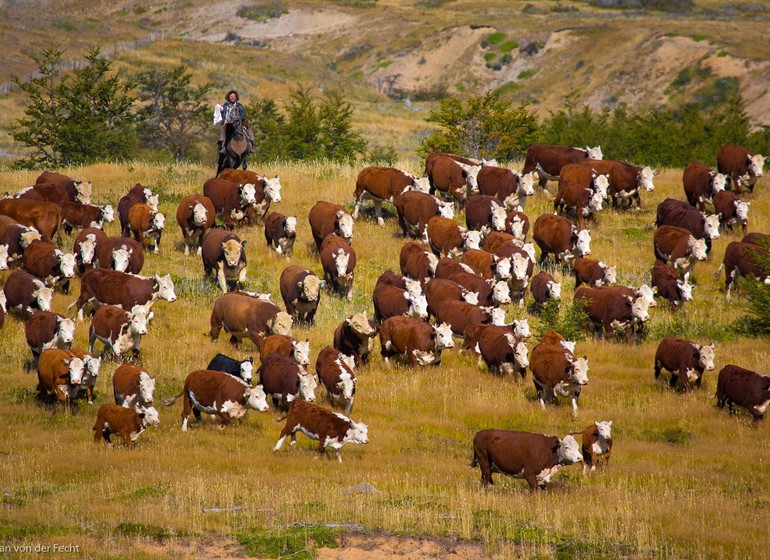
656	370
106	433
221	277
378	212
575	398
531	479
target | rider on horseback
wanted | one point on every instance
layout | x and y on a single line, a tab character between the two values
232	113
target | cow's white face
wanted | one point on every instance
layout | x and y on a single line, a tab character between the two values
520	267
281	324
256	398
124	341
503	269
357	433
232	251
307	386
446	209
554	290
516	228
640	309
108	213
350	361
645	178
165	287
471	175
301	352
158	221
529	248
247	371
146	387
583	244
76	368
685	288
580	371
310	287
88	248
83	190
65	333
527	184
601	184
498	218
706	359
604	429
291	225
420	184
418	307
121	257
718	182
595	204
273	189
443	336
92	365
4	257
501	293
473	240
568	345
361	326
66	263
521	328
610	274
28	235
151	416
569	451
595	152
248	195
138	319
711	225
3	301
742	210
199	215
497	316
43	295
345	225
756	163
698	248
471	297
341	260
152	200
413	287
346	384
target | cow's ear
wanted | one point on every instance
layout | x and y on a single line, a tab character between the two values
339	214
65	361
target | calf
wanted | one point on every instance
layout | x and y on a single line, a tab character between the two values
701	183
281	233
534	457
44	217
448	175
420	342
146	225
384	183
502	352
225	253
119	330
195	215
612	308
417	263
679	247
416	208
284	380
237	368
593	273
748	389
45	329
58	372
517	224
120	253
49	263
109	287
137	194
677	213
597	442
732	210
331	429
85	248
685	359
24	293
556	372
557	236
743	259
669	286
506	185
286	346
301	292
243	316
740	166
326	218
133	387
449	237
335	372
216	392
578	189
547	161
231	200
128	424
482	211
338	260
354	336
544	288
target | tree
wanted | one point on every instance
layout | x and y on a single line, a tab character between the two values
482	127
303	126
175	114
268	124
339	141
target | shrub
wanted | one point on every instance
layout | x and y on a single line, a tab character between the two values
568	319
508	46
495	38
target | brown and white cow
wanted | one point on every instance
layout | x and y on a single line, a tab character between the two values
392	301
24	293
460	314
14	239
517	224
544	288
326	218
420	342
558	236
301	292
100	286
685	359
448	175
416	208
502	352
757	238
626	181
450	237
125	423
286	346
195	215
86	248
487	265
494	239
740	166
483	211
533	457
472	333
48	192
668	285
522	260
679	247
547	161
136	194
77	189
75	215
266	191
701	183
53	266
218	393
45	329
746	388
594	273
133	387
338	260
335	372
119	330
331	429
120	253
384	184
45	217
732	210
224	253
439	290
506	185
231	200
354	336
672	212
416	262
284	380
743	259
281	233
60	373
489	292
242	316
597	443
612	308
578	190
556	372
91	365
147	226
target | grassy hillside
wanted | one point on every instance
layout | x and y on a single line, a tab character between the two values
686	481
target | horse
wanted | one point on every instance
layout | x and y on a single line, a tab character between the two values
237	148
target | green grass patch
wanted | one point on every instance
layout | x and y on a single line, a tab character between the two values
509	88
299	543
673	436
495	38
698	37
357	3
524	74
490	56
508	46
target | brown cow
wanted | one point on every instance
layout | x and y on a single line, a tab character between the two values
625	180
597	442
494	239
48	192
732	210
338	260
286	346
483	211
224	253
126	423
335	372
24	293
49	263
231	200
678	246
546	161
556	372
326	218
76	215
195	215
137	194
416	262
146	225
45	329
284	380
119	330
392	301
439	290
219	393
534	457
281	233
243	316
446	267
701	183
490	293
611	308
510	188
86	248
416	208
450	238
120	253
421	342
460	314
77	190
558	236
266	191
685	359
354	336
578	190
669	286
594	273
301	293
133	387
544	288
472	333
756	238
672	212
743	259
14	238
502	352
748	389
448	175
45	217
60	373
384	184
740	166
517	224
331	429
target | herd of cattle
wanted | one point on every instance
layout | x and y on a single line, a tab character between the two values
458	275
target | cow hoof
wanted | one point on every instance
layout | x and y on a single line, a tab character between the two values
380	222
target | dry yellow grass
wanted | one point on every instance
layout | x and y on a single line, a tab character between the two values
687	480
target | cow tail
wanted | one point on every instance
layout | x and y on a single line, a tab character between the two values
169	401
718	273
474	460
281	418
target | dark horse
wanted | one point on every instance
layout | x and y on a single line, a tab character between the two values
237	148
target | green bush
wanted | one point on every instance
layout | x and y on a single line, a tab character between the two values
299	543
495	38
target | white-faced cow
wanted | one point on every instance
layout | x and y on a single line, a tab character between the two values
416	208
614	308
416	262
672	212
119	330
60	373
224	253
679	247
335	372
450	237
281	233
668	285
743	259
133	387
626	181
597	443
354	336
123	422
242	369
594	273
740	166
506	185
195	215
53	266
421	343
701	183
483	211
243	316
384	184
301	292
286	346
685	359
85	248
231	200
732	211
501	351
120	253
547	161
45	329
326	218
558	236
338	260
138	194
100	286
284	380
746	388
449	175
24	293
